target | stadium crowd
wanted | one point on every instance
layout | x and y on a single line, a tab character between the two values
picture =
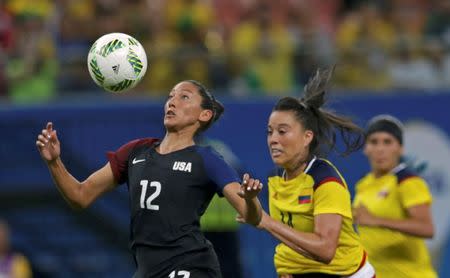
242	48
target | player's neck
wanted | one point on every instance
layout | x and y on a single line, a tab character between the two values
174	142
377	173
293	171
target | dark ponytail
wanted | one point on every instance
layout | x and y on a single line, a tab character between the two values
208	102
323	123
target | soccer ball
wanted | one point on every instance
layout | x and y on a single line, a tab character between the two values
117	62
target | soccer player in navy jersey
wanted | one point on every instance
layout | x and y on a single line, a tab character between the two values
170	182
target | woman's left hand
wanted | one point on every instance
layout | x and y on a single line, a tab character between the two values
250	187
363	217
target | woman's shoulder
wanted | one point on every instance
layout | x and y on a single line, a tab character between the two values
207	150
209	155
323	171
148	141
141	143
405	174
132	146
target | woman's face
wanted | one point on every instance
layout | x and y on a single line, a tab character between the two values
383	151
183	107
287	139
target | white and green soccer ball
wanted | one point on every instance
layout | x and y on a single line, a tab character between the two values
117	62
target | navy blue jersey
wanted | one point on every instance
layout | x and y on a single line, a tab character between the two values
168	194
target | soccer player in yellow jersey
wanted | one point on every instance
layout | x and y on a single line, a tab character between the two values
310	207
392	206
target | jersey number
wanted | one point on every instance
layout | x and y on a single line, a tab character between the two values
148	203
287	221
180	273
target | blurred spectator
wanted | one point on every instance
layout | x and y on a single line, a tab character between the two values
440	62
262	52
228	14
12	264
190	19
438	23
409	18
247	47
410	68
177	42
41	8
6	36
311	27
32	65
364	39
74	40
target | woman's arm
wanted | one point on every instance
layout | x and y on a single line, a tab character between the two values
320	245
243	199
419	222
77	194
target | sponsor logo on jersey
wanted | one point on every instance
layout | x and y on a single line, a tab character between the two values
182	166
383	193
137	160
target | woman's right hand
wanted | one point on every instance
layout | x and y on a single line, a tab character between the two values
48	144
264	218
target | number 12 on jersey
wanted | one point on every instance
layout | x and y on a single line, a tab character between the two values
181	273
147	203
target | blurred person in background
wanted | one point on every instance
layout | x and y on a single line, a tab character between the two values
170	183
12	264
439	59
75	36
190	21
177	41
262	52
6	42
32	64
364	39
412	67
392	206
438	21
309	201
409	18
311	25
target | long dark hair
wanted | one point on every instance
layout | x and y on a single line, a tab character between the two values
208	102
323	123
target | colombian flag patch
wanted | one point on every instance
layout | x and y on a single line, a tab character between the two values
304	199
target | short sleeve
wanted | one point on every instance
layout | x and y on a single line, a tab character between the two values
414	191
119	159
332	197
218	170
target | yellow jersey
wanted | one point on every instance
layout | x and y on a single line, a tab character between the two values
319	189
393	253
